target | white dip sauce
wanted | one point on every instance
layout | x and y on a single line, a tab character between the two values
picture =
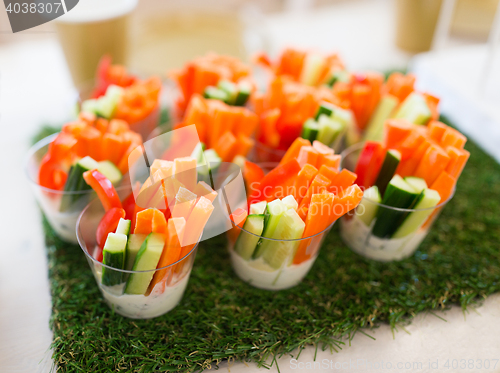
259	274
359	238
140	306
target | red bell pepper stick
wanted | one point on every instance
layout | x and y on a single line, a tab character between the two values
108	224
129	206
252	174
50	174
276	183
104	189
369	164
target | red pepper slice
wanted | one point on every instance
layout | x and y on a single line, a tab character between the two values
50	174
129	206
369	163
60	148
108	224
104	189
252	174
276	184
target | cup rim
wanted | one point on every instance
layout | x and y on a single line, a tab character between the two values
288	240
261	145
36	147
80	240
359	146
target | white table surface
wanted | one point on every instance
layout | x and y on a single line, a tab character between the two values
35	87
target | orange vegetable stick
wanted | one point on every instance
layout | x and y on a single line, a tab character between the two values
225	146
329	172
185	171
197	220
434	161
343	180
171	253
453	138
317	219
407	167
158	223
302	211
322	148
319	184
347	200
294	149
267	131
161	169
396	131
303	181
247	124
144	221
184	203
308	155
203	189
113	147
444	185
330	160
223	118
243	145
437	130
458	159
196	113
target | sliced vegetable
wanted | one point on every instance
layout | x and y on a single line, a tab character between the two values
367	209
114	256
104	189
247	242
391	162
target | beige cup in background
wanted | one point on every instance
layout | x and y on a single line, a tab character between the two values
415	23
92	29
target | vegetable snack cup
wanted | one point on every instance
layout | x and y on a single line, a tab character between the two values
139	301
60	208
280	270
370	231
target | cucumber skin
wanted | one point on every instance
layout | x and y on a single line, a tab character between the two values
74	183
387	172
111	277
388	220
270	224
138	283
247	243
309	132
370	206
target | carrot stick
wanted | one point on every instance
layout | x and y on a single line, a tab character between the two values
330	160
294	149
225	146
434	161
343	180
308	155
144	221
319	184
303	181
458	159
437	130
453	138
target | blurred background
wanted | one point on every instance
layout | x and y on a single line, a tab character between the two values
153	36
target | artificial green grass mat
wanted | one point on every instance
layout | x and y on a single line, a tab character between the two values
220	317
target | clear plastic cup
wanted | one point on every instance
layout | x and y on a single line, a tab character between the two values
60	208
168	292
260	274
359	236
262	153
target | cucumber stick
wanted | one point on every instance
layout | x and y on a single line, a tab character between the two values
258	208
215	94
113	255
311	70
391	162
280	253
290	202
123	226
76	183
275	209
368	206
329	129
417	183
146	260
108	169
134	244
310	130
324	109
244	91
247	242
198	154
398	194
414	109
424	208
375	128
230	89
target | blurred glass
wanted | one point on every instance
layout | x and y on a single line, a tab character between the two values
92	29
